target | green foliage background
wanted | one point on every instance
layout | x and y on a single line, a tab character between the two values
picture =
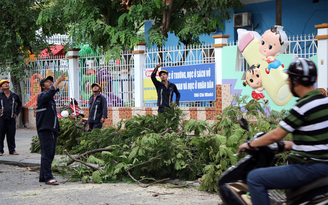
113	26
19	37
158	147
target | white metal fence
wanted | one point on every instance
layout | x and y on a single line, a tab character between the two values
116	78
39	68
304	46
58	39
178	56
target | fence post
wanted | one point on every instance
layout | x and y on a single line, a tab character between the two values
322	57
139	62
73	73
220	41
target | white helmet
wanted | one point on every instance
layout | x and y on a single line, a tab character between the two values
64	113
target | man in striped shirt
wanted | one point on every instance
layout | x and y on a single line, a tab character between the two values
308	122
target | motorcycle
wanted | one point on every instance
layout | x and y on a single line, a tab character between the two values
233	189
76	112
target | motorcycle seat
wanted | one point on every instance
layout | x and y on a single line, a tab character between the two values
292	193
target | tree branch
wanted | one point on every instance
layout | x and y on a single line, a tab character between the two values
86	164
156	193
168	16
151	159
87	153
140	181
140	26
168	130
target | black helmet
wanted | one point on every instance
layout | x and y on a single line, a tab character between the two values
303	70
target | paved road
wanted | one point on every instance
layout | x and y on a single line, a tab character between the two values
21	186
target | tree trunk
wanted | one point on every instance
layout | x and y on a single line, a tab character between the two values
160	53
17	88
278	12
16	85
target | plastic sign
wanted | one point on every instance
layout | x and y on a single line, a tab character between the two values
194	82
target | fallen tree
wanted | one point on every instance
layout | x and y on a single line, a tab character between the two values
152	149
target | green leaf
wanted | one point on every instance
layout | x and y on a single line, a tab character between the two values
96	177
141	152
133	152
93	159
233	139
220	139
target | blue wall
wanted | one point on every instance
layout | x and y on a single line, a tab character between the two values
298	17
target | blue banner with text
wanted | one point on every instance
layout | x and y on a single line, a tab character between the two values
194	82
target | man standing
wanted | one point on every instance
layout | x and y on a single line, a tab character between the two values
97	108
47	126
308	122
10	107
164	89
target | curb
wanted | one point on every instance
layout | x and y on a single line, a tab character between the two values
20	162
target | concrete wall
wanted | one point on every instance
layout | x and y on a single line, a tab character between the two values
115	114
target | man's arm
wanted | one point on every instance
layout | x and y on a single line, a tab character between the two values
59	80
104	110
269	138
47	96
153	75
177	93
52	91
19	106
90	105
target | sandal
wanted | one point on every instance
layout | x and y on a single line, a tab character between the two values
52	182
14	153
1	154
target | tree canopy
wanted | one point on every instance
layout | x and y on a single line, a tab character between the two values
19	36
114	24
108	25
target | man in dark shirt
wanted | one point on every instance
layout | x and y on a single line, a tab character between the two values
47	126
97	108
164	89
10	107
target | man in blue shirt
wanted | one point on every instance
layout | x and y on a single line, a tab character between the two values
97	108
47	126
164	89
10	107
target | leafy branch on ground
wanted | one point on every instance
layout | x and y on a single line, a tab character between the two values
153	148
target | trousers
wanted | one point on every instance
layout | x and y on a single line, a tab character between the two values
8	128
95	125
48	141
282	177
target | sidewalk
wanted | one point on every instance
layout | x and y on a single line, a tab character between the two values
23	143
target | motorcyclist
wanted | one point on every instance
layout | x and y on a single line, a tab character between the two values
308	122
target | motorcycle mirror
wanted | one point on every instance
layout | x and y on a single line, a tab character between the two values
243	124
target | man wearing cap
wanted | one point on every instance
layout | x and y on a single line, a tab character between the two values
10	107
164	89
97	108
47	126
